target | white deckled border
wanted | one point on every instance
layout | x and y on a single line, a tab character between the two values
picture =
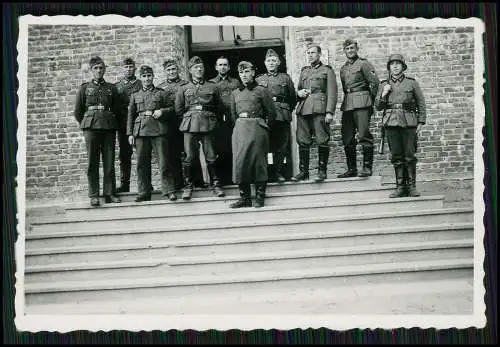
65	323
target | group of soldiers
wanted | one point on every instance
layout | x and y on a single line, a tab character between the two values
237	122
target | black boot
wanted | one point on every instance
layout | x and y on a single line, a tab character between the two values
124	180
406	181
323	153
303	165
400	191
244	200
367	162
260	194
214	180
188	182
278	163
412	180
352	169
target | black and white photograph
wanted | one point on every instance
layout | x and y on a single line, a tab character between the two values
242	173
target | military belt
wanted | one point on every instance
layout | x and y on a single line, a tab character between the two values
406	107
317	92
357	89
146	113
98	107
200	108
279	99
246	115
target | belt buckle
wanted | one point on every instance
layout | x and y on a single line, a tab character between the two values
275	98
243	115
198	107
148	113
100	107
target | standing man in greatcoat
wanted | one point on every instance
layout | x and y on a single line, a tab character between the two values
281	87
96	107
360	85
317	93
404	114
253	113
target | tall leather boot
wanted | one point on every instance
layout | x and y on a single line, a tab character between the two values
278	162
188	182
412	180
260	194
352	169
367	162
323	153
406	181
214	180
303	165
244	200
124	179
399	192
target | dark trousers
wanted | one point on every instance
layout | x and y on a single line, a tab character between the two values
402	144
144	148
100	142
176	154
224	152
125	157
310	125
191	147
280	138
357	120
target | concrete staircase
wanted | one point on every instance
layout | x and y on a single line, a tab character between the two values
314	248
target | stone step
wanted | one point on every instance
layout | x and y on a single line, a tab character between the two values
310	185
346	224
95	250
155	217
159	264
448	293
83	210
181	286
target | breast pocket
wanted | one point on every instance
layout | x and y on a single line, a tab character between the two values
318	82
91	96
156	102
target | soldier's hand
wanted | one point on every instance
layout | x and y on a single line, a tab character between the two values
386	89
303	93
131	140
157	114
328	118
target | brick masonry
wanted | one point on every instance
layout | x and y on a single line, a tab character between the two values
441	59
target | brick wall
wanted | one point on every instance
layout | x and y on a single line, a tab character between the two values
440	59
58	57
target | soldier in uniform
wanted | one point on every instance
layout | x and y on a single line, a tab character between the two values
253	113
97	104
126	86
226	85
360	84
147	127
317	93
403	105
281	87
199	103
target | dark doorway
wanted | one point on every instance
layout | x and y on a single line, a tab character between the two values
256	56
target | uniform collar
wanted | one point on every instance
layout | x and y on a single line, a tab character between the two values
98	82
201	82
130	80
249	86
399	79
177	79
275	73
317	65
222	78
352	61
150	88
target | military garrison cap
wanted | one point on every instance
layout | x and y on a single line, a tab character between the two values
145	70
95	60
271	52
243	65
397	57
349	42
168	62
128	61
194	61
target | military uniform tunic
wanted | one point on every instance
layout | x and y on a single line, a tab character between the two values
360	85
150	133
199	104
126	87
321	81
252	108
223	134
96	107
403	109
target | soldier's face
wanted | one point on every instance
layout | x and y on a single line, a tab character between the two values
172	72
98	71
313	55
272	63
197	71
129	70
222	66
246	75
351	51
147	79
396	67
